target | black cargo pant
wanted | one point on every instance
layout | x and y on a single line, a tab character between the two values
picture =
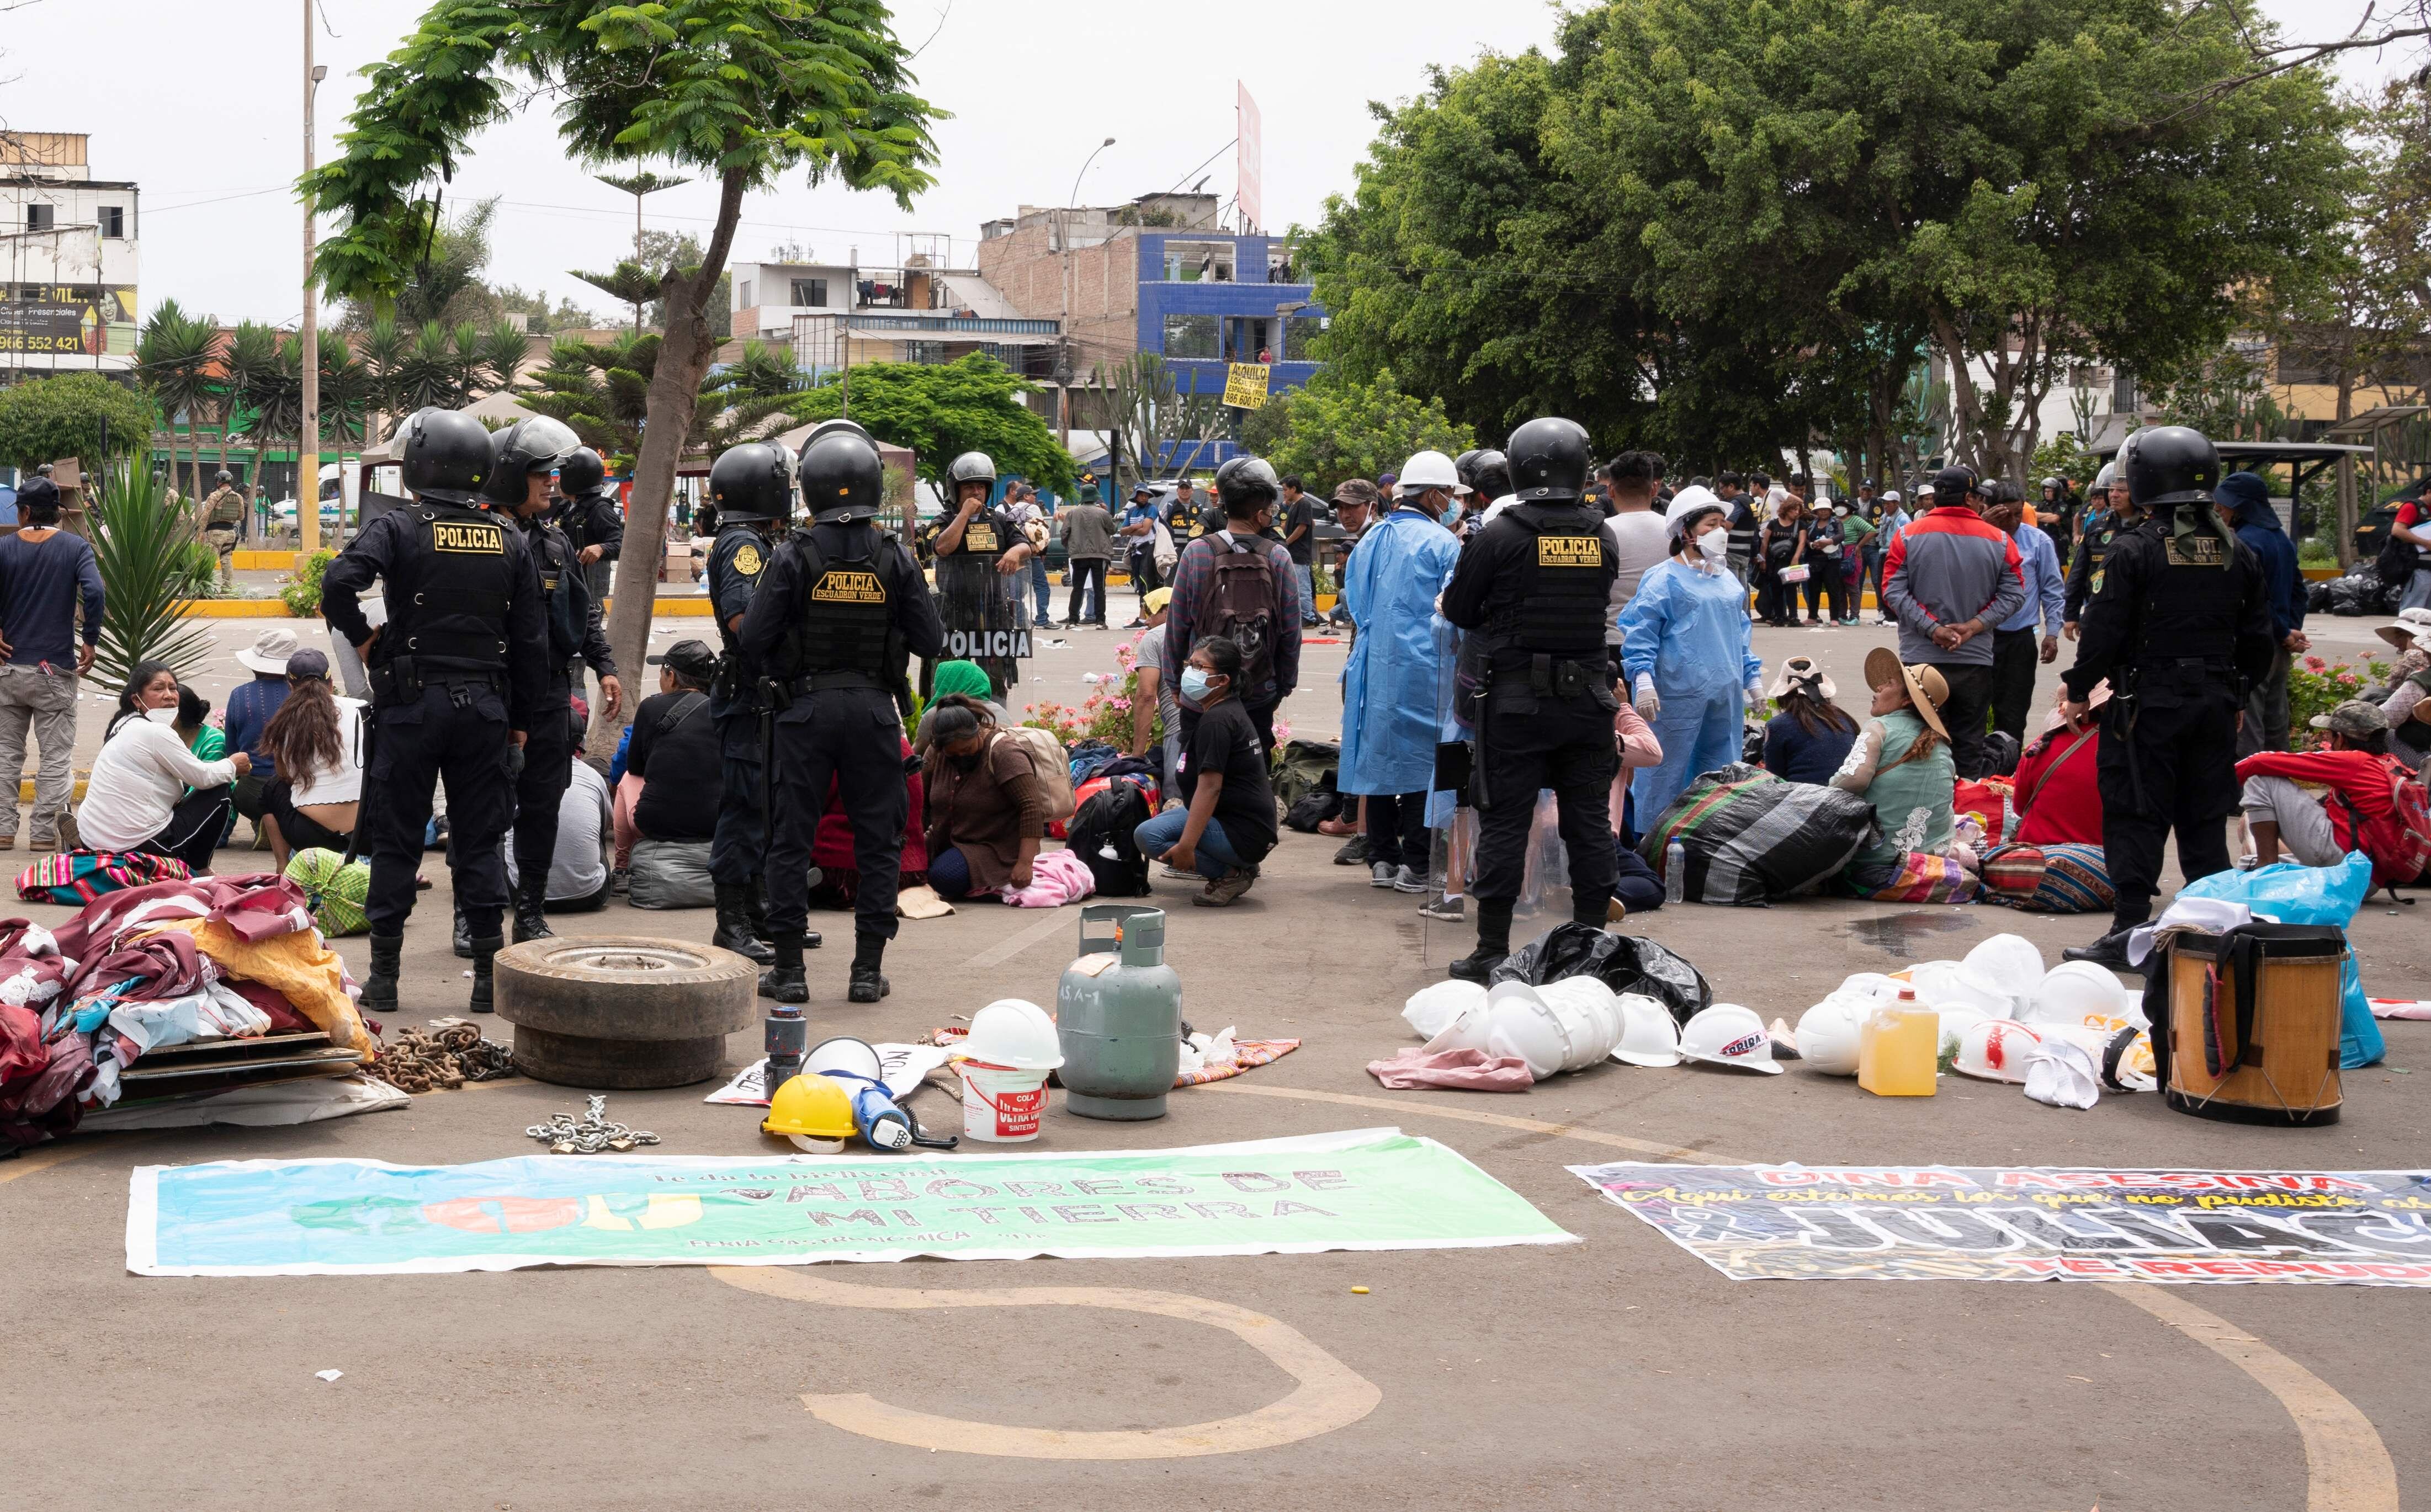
456	733
852	737
548	770
2169	762
1532	741
1963	714
2016	653
738	848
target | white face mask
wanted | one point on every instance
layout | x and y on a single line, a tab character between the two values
162	716
1714	544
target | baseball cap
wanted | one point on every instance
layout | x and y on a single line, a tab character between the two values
307	662
1157	599
2355	719
688	659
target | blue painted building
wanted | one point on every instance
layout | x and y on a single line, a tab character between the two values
1208	299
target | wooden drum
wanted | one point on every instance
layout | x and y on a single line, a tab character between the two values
2254	1024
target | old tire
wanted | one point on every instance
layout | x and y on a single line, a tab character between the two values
620	1012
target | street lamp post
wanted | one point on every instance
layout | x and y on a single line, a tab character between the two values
1064	341
307	423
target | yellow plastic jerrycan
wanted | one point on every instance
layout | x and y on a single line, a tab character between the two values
1898	1047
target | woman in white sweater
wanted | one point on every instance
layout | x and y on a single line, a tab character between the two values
147	791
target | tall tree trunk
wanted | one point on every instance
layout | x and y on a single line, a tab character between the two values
684	356
2346	466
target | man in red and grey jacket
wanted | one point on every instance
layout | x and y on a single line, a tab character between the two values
1950	578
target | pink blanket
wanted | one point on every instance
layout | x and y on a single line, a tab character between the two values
1469	1069
1056	878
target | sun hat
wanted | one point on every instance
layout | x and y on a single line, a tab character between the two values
1927	688
1801	672
269	651
2412	631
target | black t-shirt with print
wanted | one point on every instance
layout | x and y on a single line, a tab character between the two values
1227	743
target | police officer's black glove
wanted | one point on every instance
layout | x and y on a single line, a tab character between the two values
515	760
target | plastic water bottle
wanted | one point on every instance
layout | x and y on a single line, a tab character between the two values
1675	872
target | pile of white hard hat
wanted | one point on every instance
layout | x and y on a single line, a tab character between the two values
1999	1009
1575	1022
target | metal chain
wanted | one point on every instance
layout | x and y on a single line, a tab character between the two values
594	1133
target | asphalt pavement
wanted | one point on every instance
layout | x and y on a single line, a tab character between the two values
1619	1370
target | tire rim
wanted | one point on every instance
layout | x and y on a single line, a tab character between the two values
626	960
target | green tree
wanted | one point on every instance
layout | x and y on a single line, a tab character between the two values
736	91
603	391
247	363
173	360
1340	427
941	410
83	415
444	282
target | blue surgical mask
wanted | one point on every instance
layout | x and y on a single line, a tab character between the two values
1193	684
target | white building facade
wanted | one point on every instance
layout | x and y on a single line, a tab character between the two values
68	259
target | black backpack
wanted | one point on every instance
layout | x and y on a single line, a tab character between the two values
1100	835
2397	560
1243	604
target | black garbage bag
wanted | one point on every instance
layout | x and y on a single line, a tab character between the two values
1749	836
1625	963
1314	806
1302	763
1100	835
2316	596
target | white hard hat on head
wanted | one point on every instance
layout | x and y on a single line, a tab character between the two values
1430	469
1689	502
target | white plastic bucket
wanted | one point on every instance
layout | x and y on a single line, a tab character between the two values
1001	1105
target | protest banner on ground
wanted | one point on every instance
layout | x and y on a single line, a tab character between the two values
1359	1189
2363	1228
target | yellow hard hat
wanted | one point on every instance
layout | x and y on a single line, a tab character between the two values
808	1108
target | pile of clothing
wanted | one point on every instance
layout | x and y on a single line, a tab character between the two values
147	968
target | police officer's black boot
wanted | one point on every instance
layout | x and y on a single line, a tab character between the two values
1493	941
463	938
785	982
2109	950
485	947
868	982
734	925
531	920
379	988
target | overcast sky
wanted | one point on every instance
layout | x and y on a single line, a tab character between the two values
200	104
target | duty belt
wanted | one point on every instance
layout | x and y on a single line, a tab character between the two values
820	682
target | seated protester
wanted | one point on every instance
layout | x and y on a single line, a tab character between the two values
2407	703
986	813
586	843
951	678
194	710
148	792
2356	811
674	774
1809	739
1229	825
2058	793
1901	764
836	869
316	739
1152	659
250	707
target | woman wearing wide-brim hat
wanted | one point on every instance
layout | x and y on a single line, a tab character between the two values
2407	708
1901	764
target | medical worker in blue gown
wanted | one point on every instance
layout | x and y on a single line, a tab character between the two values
1687	653
1396	664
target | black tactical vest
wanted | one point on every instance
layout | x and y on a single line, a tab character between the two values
847	602
459	588
559	573
1562	593
2191	605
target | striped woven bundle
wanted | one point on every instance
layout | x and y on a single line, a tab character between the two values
2064	879
76	877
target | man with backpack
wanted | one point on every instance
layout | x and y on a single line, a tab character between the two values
1237	583
2403	557
2368	800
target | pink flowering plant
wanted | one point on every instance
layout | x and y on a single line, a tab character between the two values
2316	686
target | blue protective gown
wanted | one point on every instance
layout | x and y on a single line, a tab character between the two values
1392	680
1691	630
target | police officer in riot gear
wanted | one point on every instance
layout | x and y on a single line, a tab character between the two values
458	675
589	516
838	616
1533	586
979	556
752	486
523	455
2179	624
2108	514
1489	479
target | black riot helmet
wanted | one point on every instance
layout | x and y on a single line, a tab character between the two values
581	473
527	446
1489	476
753	481
1244	483
1464	467
848	427
445	456
971	467
2169	465
843	479
1549	461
